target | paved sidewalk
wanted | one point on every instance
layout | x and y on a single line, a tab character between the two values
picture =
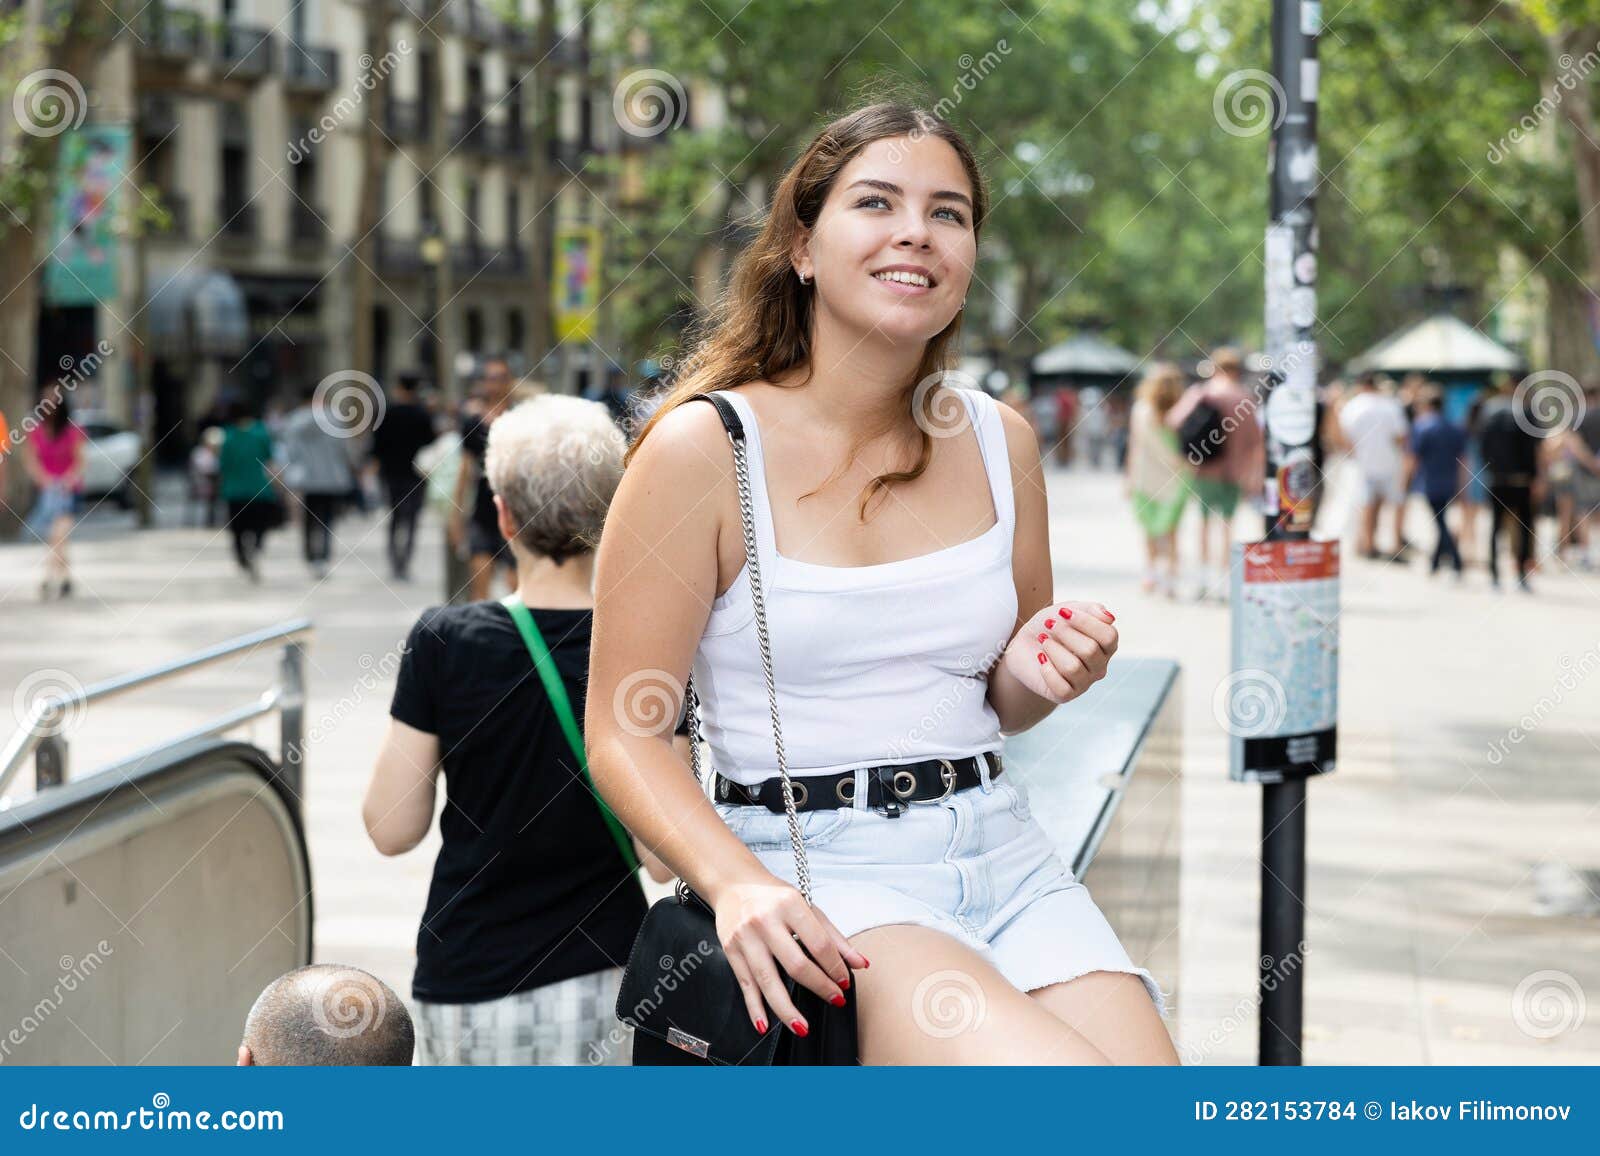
1432	849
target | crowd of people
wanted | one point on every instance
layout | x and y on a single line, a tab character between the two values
1489	478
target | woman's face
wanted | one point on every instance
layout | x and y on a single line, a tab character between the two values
900	203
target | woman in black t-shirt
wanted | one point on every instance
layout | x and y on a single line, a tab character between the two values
533	906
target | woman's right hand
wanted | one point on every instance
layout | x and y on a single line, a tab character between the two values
763	925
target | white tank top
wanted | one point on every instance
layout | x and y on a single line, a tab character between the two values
873	664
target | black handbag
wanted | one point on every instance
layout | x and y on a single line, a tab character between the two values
679	993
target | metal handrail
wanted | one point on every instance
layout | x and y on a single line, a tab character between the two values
40	733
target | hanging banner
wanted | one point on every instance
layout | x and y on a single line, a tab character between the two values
1281	703
82	267
575	282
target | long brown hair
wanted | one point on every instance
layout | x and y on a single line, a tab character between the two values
761	323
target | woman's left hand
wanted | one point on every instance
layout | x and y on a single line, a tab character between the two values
1063	650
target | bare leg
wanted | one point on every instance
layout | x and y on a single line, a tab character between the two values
1369	528
930	999
1112	1010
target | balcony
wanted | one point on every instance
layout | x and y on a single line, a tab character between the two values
308	228
406	121
173	35
470	133
244	51
478	258
472	19
309	70
399	255
236	223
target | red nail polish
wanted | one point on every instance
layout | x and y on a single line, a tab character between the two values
1110	617
865	962
761	1026
837	1001
1066	614
1042	637
800	1028
845	983
1042	658
1049	622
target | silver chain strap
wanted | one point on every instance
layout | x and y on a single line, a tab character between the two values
752	560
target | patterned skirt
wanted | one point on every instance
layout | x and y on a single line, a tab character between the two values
571	1022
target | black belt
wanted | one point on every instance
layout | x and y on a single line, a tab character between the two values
889	787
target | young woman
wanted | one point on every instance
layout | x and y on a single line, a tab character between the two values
830	343
55	463
1157	475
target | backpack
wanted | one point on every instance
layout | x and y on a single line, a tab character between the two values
1201	433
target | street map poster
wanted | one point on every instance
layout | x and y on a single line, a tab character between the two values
1280	704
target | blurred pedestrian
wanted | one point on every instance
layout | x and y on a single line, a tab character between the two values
535	898
1157	475
1374	427
1586	483
1066	423
474	529
55	461
245	483
1440	448
406	428
1509	443
1475	496
317	469
1219	433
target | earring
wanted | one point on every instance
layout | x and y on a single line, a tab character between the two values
802	276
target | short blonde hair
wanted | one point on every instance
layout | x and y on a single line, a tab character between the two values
556	461
1161	387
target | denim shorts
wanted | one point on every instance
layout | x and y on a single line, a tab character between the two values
976	866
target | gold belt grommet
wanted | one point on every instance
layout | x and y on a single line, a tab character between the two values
843	795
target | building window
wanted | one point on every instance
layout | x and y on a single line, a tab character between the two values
515	337
475	332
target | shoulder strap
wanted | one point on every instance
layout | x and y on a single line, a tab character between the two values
556	689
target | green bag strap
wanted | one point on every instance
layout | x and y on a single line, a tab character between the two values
546	666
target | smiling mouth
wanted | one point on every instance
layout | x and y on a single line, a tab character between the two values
913	280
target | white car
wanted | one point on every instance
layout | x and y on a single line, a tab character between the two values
110	457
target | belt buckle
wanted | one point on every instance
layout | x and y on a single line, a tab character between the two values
947	773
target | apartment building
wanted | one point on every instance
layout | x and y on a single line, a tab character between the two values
247	118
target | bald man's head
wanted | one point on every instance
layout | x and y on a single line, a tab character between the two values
328	1014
